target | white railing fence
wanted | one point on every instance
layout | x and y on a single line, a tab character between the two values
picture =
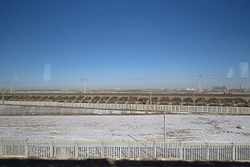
124	150
130	108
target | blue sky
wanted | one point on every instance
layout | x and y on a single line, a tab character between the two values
132	43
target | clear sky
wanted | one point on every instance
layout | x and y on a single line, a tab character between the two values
123	43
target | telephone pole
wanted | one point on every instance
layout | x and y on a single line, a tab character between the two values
150	97
200	83
2	97
84	85
11	87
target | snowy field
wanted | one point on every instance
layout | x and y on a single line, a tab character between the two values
29	110
185	128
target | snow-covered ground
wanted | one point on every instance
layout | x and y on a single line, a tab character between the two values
41	110
185	128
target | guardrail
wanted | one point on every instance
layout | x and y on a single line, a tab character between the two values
138	107
124	150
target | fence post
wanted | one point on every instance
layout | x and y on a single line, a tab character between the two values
1	147
218	153
207	152
120	152
233	151
181	152
76	151
154	150
102	150
26	149
51	150
129	151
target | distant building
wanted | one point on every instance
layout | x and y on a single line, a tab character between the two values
219	88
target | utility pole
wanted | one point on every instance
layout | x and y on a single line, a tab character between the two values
11	87
150	97
200	83
150	94
84	85
2	97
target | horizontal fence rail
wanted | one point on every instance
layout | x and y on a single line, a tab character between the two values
131	108
124	150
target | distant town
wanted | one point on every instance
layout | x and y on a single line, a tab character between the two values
213	90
